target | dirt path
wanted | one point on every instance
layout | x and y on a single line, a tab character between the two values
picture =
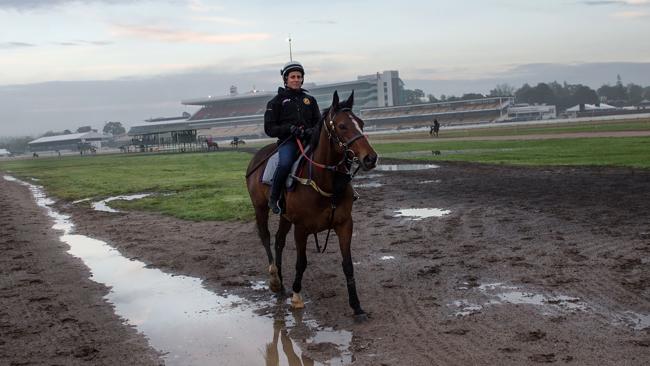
531	265
50	312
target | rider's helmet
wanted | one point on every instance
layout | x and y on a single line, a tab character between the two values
291	66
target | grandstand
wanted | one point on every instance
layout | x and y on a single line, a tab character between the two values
448	113
242	115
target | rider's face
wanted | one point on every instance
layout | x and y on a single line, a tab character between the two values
294	80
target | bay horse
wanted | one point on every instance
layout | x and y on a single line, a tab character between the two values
324	199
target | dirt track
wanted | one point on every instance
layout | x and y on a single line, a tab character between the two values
577	238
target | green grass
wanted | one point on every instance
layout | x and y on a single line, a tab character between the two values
631	152
211	186
203	186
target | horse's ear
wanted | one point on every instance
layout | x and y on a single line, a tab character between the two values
335	100
348	103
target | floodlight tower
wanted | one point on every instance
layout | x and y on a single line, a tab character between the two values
290	54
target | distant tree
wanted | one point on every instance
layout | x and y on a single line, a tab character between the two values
541	94
412	96
432	98
51	133
114	128
646	93
585	95
634	94
502	90
84	129
443	98
469	96
16	145
67	132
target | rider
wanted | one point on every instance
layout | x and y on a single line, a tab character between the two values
291	114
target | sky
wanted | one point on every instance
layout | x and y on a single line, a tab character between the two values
71	63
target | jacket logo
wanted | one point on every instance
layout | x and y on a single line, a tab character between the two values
306	101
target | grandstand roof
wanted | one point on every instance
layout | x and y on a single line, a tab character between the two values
160	127
426	105
70	137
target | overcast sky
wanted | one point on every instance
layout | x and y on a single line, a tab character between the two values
64	64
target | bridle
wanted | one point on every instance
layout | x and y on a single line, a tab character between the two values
349	156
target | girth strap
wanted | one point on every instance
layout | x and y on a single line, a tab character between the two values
309	182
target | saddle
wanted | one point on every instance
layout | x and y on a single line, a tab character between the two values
272	164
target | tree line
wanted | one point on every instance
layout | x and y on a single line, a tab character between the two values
563	95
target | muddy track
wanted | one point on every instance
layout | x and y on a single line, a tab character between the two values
576	238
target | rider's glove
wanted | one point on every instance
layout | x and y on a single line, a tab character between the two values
307	132
296	131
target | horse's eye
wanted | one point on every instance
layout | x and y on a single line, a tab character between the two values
341	126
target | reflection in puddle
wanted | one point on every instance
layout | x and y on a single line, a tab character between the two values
401	167
81	200
103	204
387	257
421	213
429	181
368	185
189	324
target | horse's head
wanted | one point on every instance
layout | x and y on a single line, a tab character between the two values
345	129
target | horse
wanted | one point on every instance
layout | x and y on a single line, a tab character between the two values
236	142
212	145
322	202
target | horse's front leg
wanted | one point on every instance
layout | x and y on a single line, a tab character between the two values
276	283
300	237
344	233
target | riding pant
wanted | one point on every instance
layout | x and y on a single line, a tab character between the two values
287	156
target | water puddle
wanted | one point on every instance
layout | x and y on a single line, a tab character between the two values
404	167
421	213
189	324
387	257
368	176
429	181
368	185
636	320
103	204
499	294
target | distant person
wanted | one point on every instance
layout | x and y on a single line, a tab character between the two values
291	114
436	127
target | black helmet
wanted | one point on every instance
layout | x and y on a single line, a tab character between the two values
291	66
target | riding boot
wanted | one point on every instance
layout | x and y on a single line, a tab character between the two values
279	177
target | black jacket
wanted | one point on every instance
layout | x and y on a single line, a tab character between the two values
290	108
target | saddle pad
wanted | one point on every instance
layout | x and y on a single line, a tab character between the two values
272	164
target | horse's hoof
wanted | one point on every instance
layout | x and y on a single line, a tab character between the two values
361	317
275	285
296	301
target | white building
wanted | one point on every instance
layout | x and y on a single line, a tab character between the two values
525	112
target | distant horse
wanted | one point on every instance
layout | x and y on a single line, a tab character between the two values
212	145
324	199
236	142
34	155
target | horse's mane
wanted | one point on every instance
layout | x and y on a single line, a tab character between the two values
315	137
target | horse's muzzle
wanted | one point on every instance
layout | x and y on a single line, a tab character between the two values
369	161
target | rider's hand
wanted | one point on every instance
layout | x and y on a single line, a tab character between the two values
296	131
307	133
